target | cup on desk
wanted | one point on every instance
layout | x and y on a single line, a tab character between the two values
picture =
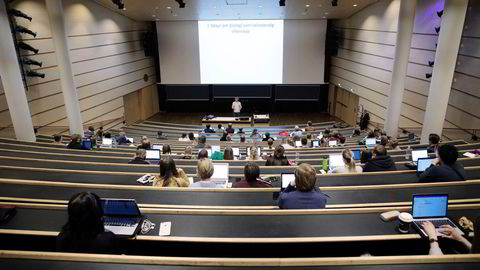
404	222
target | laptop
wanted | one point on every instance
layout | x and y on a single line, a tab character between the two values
315	143
423	164
433	208
334	161
356	154
152	154
287	178
130	139
419	153
121	216
236	151
220	174
107	141
370	142
332	143
157	146
87	144
298	143
215	148
209	151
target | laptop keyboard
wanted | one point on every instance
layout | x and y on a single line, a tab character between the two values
124	222
438	222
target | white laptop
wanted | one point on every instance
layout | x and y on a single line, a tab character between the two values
370	142
121	216
287	178
215	148
315	144
209	151
107	141
298	143
157	146
433	208
420	153
153	154
195	135
130	139
332	143
236	151
220	174
335	160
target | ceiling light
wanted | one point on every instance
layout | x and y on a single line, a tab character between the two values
174	15
354	5
169	7
307	5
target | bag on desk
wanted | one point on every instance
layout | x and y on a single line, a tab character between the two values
147	178
7	213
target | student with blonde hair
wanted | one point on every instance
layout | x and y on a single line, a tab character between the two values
205	172
253	154
349	164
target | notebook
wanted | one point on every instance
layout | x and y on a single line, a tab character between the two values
298	143
433	208
121	216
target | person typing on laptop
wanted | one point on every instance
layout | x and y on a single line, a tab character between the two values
252	178
446	231
84	231
445	168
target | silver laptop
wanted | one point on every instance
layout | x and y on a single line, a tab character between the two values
220	174
121	216
334	161
156	146
419	153
287	178
423	164
433	208
370	142
152	154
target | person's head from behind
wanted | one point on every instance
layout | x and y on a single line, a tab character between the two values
202	139
251	172
297	128
255	131
219	126
204	169
242	139
85	215
159	133
168	168
122	134
447	154
90	128
371	135
379	150
305	177
228	153
229	138
304	141
267	135
347	156
191	136
291	142
309	136
270	143
188	150
141	153
146	144
342	139
384	140
476	237
184	135
309	123
433	139
166	150
365	155
75	138
279	152
224	135
327	131
240	130
356	132
202	154
230	125
208	126
57	138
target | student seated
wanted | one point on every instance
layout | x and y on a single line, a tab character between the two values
57	139
304	142
208	129
356	133
188	153
99	133
184	138
88	134
445	168
122	139
365	155
228	153
349	164
267	137
205	172
191	137
301	193
166	150
170	176
230	129
145	144
202	142
433	141
269	144
289	144
309	127
139	157
297	133
160	136
341	141
202	154
252	178
84	231
224	136
380	161
255	136
220	129
446	231
278	158
242	139
75	142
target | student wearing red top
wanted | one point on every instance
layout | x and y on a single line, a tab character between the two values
252	174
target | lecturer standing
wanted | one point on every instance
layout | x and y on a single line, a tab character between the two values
236	107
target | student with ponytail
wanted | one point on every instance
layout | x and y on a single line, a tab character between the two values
349	164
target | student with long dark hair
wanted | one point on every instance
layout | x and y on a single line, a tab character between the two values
84	231
170	176
278	158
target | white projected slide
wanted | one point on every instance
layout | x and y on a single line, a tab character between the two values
248	51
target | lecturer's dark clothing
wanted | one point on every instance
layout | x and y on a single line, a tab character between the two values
443	173
380	164
138	160
291	198
104	242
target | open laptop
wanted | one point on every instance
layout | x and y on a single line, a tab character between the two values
332	143
370	142
215	148
220	174
157	146
121	216
236	151
433	208
315	143
419	153
287	179
335	160
423	164
152	154
130	139
356	154
298	143
107	141
209	151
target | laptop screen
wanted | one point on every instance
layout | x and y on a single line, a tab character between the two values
220	171
298	143
118	207
236	151
430	206
332	143
416	154
157	147
153	154
356	154
423	164
370	142
215	148
107	141
335	161
315	143
209	151
287	179
130	139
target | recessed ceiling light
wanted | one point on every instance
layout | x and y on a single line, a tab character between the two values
174	15
260	6
307	5
169	7
354	5
326	13
153	15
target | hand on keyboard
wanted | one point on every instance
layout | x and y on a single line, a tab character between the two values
429	229
448	231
